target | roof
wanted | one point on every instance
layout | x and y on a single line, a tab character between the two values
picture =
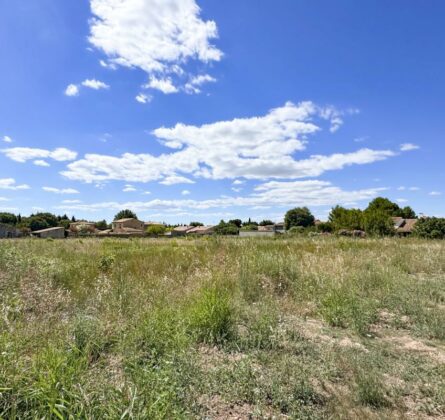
127	219
183	228
408	226
199	229
49	229
267	228
153	223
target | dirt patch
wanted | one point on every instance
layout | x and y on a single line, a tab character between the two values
409	344
211	358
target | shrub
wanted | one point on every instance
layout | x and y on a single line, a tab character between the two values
156	230
300	216
106	262
430	228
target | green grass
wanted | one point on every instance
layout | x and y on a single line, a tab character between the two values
303	327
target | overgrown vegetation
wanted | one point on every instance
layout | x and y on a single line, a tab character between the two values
296	326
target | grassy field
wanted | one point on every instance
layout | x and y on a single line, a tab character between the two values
222	328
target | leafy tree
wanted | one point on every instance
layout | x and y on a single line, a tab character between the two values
236	222
64	223
49	218
156	230
8	218
430	227
349	219
325	227
249	227
378	223
385	205
125	214
73	219
37	223
196	224
299	216
101	225
224	228
408	213
266	222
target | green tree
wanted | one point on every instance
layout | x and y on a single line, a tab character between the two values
224	228
349	219
125	214
408	213
249	227
236	222
36	223
8	218
101	225
196	224
430	228
266	222
299	216
156	230
49	218
378	223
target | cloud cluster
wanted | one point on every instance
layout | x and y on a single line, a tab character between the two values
60	190
10	184
23	154
274	193
252	148
74	90
158	36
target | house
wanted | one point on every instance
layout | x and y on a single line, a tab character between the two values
181	230
128	225
256	233
7	231
404	227
279	227
202	230
53	232
82	226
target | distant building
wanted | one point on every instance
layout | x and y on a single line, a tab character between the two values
7	231
181	230
202	230
404	227
279	227
128	225
256	233
53	232
82	227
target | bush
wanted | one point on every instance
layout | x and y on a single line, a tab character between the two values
224	228
378	223
300	216
156	230
430	228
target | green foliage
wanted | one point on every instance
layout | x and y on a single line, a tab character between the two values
349	219
385	205
8	218
249	227
325	227
378	223
224	228
299	216
266	222
125	214
156	230
36	223
370	390
430	228
211	316
102	225
196	224
106	262
236	222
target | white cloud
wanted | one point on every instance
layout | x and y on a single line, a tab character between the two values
236	189
157	36
10	184
435	193
7	139
72	90
71	201
185	192
175	179
40	162
253	148
142	98
95	84
193	86
146	193
238	182
4	199
274	193
414	188
401	200
129	188
406	147
60	190
23	154
165	85
401	188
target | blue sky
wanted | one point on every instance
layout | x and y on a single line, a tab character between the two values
201	110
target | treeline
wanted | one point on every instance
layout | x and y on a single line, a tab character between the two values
40	221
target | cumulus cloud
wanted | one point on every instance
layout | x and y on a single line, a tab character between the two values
95	84
185	192
193	86
7	139
41	162
142	98
176	179
160	37
435	193
165	85
252	148
71	201
60	190
153	35
23	154
10	184
406	147
129	188
274	193
72	90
